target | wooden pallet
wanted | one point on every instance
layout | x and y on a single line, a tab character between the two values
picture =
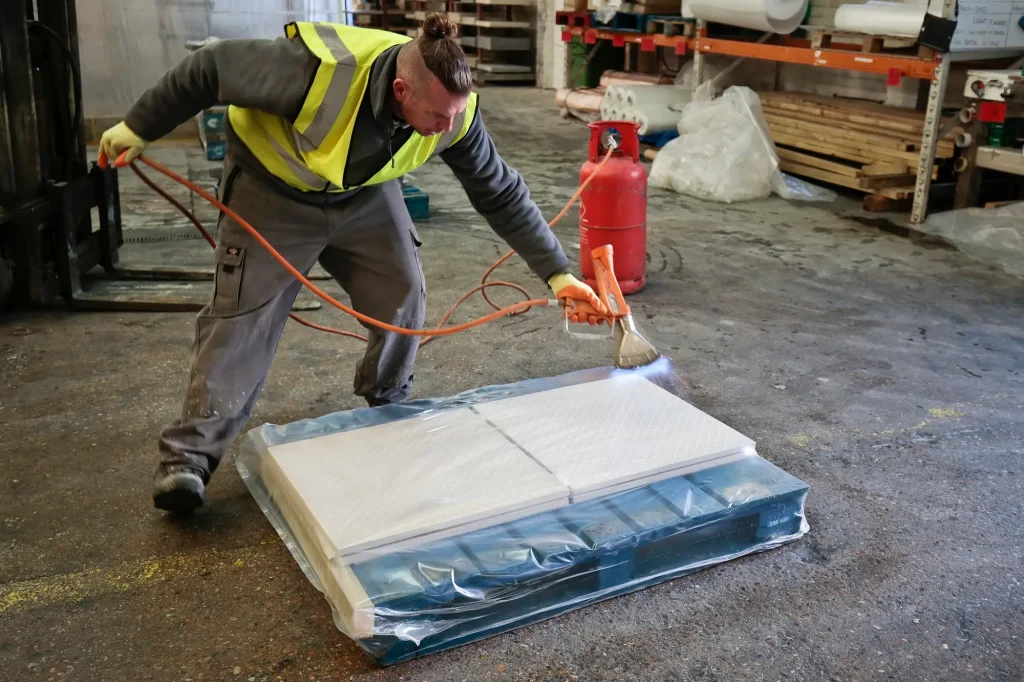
823	38
581	19
670	26
632	22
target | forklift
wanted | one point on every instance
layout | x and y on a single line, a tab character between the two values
60	215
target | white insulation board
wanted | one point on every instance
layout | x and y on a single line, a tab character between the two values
603	435
380	485
374	489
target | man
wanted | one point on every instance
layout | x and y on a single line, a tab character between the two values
322	125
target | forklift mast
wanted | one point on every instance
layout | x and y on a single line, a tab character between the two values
48	190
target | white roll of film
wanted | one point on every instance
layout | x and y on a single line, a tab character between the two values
771	16
881	18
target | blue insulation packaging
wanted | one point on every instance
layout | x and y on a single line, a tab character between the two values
440	522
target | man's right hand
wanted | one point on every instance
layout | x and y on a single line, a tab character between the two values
119	139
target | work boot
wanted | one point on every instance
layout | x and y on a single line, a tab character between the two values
179	488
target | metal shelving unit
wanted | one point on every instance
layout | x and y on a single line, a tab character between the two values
503	41
928	65
382	14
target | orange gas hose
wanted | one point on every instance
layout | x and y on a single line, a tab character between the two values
426	335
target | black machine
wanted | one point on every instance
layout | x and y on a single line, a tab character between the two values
47	189
60	215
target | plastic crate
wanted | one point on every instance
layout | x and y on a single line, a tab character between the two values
417	202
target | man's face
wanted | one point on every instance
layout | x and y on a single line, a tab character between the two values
427	106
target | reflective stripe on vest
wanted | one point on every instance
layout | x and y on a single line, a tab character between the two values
311	153
330	87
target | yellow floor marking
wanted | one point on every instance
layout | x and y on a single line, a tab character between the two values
73	587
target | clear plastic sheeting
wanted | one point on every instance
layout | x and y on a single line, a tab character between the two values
440	522
724	152
126	45
992	235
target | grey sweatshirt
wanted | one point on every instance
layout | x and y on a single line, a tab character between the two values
274	76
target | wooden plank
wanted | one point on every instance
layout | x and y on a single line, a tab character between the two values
843	148
855	37
884	141
850	154
884	168
818	174
867	128
815	162
877	182
875	152
862	113
896	114
862	123
1001	159
847	132
908	128
799	142
897	192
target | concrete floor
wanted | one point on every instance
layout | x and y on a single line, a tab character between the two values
884	371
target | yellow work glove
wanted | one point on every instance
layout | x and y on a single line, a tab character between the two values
581	303
116	140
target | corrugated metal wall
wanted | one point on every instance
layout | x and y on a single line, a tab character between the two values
126	45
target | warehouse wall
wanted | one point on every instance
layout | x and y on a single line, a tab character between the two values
126	45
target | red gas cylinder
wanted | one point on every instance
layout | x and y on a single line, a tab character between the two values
613	207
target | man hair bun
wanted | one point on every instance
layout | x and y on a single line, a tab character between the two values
438	26
442	54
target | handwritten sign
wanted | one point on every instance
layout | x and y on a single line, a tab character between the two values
988	25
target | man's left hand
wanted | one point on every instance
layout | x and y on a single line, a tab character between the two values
582	303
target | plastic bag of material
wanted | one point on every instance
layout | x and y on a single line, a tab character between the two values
724	152
607	9
992	235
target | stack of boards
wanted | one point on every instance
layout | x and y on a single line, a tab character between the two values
454	524
389	486
851	143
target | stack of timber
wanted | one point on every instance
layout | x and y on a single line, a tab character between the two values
852	143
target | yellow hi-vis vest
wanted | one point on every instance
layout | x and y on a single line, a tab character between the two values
311	153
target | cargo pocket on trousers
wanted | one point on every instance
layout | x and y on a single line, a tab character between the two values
227	285
419	263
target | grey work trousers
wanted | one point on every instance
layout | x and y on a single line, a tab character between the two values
368	243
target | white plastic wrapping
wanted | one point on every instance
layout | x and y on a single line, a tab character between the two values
126	45
724	152
656	108
992	235
409	522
